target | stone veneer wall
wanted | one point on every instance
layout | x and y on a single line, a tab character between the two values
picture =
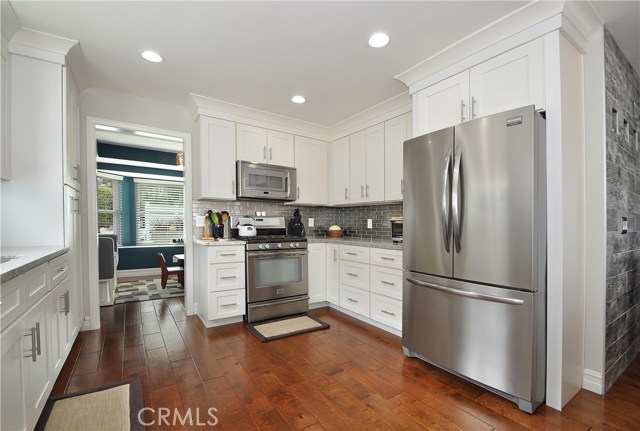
622	339
352	219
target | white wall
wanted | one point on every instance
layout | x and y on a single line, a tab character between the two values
596	223
141	114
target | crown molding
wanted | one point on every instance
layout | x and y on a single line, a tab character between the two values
576	20
40	45
202	105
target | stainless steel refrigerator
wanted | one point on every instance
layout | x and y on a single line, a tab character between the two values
475	253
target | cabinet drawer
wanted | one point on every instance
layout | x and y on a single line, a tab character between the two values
59	268
20	293
355	300
386	281
226	254
386	310
354	254
226	276
388	258
226	304
354	274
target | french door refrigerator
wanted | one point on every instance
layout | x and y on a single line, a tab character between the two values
475	253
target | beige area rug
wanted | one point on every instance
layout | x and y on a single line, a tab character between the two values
281	328
102	409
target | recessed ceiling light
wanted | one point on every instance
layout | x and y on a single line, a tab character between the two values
152	56
378	40
298	99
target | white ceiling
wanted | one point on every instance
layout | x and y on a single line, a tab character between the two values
259	54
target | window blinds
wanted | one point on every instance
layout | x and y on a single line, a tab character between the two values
159	211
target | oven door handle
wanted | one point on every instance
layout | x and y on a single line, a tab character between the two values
270	254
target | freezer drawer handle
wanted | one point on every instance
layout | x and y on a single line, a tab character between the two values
464	293
445	201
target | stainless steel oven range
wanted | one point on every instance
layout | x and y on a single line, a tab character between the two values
277	273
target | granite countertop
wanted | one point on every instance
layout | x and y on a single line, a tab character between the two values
219	242
360	242
29	258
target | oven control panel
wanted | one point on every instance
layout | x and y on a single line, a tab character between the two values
277	246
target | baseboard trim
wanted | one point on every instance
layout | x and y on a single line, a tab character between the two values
592	381
142	272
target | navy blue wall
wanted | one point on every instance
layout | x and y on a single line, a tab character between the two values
145	257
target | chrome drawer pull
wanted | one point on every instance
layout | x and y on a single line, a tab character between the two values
229	305
228	277
32	334
352	274
387	283
386	258
227	254
352	300
351	253
39	346
389	313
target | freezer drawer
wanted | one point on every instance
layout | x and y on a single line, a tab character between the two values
490	335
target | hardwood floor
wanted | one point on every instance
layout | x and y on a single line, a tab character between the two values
349	377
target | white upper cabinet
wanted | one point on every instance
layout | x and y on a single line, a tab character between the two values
339	172
71	147
5	148
366	165
507	81
443	104
280	148
311	171
396	131
510	80
255	144
251	143
214	167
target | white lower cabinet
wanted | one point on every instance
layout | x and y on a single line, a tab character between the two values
228	303
317	274
354	274
386	310
333	274
220	283
354	299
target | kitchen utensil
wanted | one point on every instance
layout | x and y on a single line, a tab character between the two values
225	216
214	218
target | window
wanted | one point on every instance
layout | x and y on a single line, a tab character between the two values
109	190
159	211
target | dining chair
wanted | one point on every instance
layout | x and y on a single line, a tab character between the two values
171	270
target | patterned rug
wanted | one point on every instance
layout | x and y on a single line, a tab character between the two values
143	290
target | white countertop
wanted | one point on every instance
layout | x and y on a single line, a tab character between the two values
29	258
219	242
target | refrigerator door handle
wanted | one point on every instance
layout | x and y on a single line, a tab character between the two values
455	198
467	294
445	201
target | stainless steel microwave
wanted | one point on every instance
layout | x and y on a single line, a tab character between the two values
262	181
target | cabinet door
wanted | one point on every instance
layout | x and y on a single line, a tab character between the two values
317	273
281	150
57	325
358	167
510	80
333	275
374	187
215	171
311	167
37	374
395	133
339	172
251	144
71	130
12	365
5	146
443	104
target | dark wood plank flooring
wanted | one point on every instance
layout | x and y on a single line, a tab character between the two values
350	377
